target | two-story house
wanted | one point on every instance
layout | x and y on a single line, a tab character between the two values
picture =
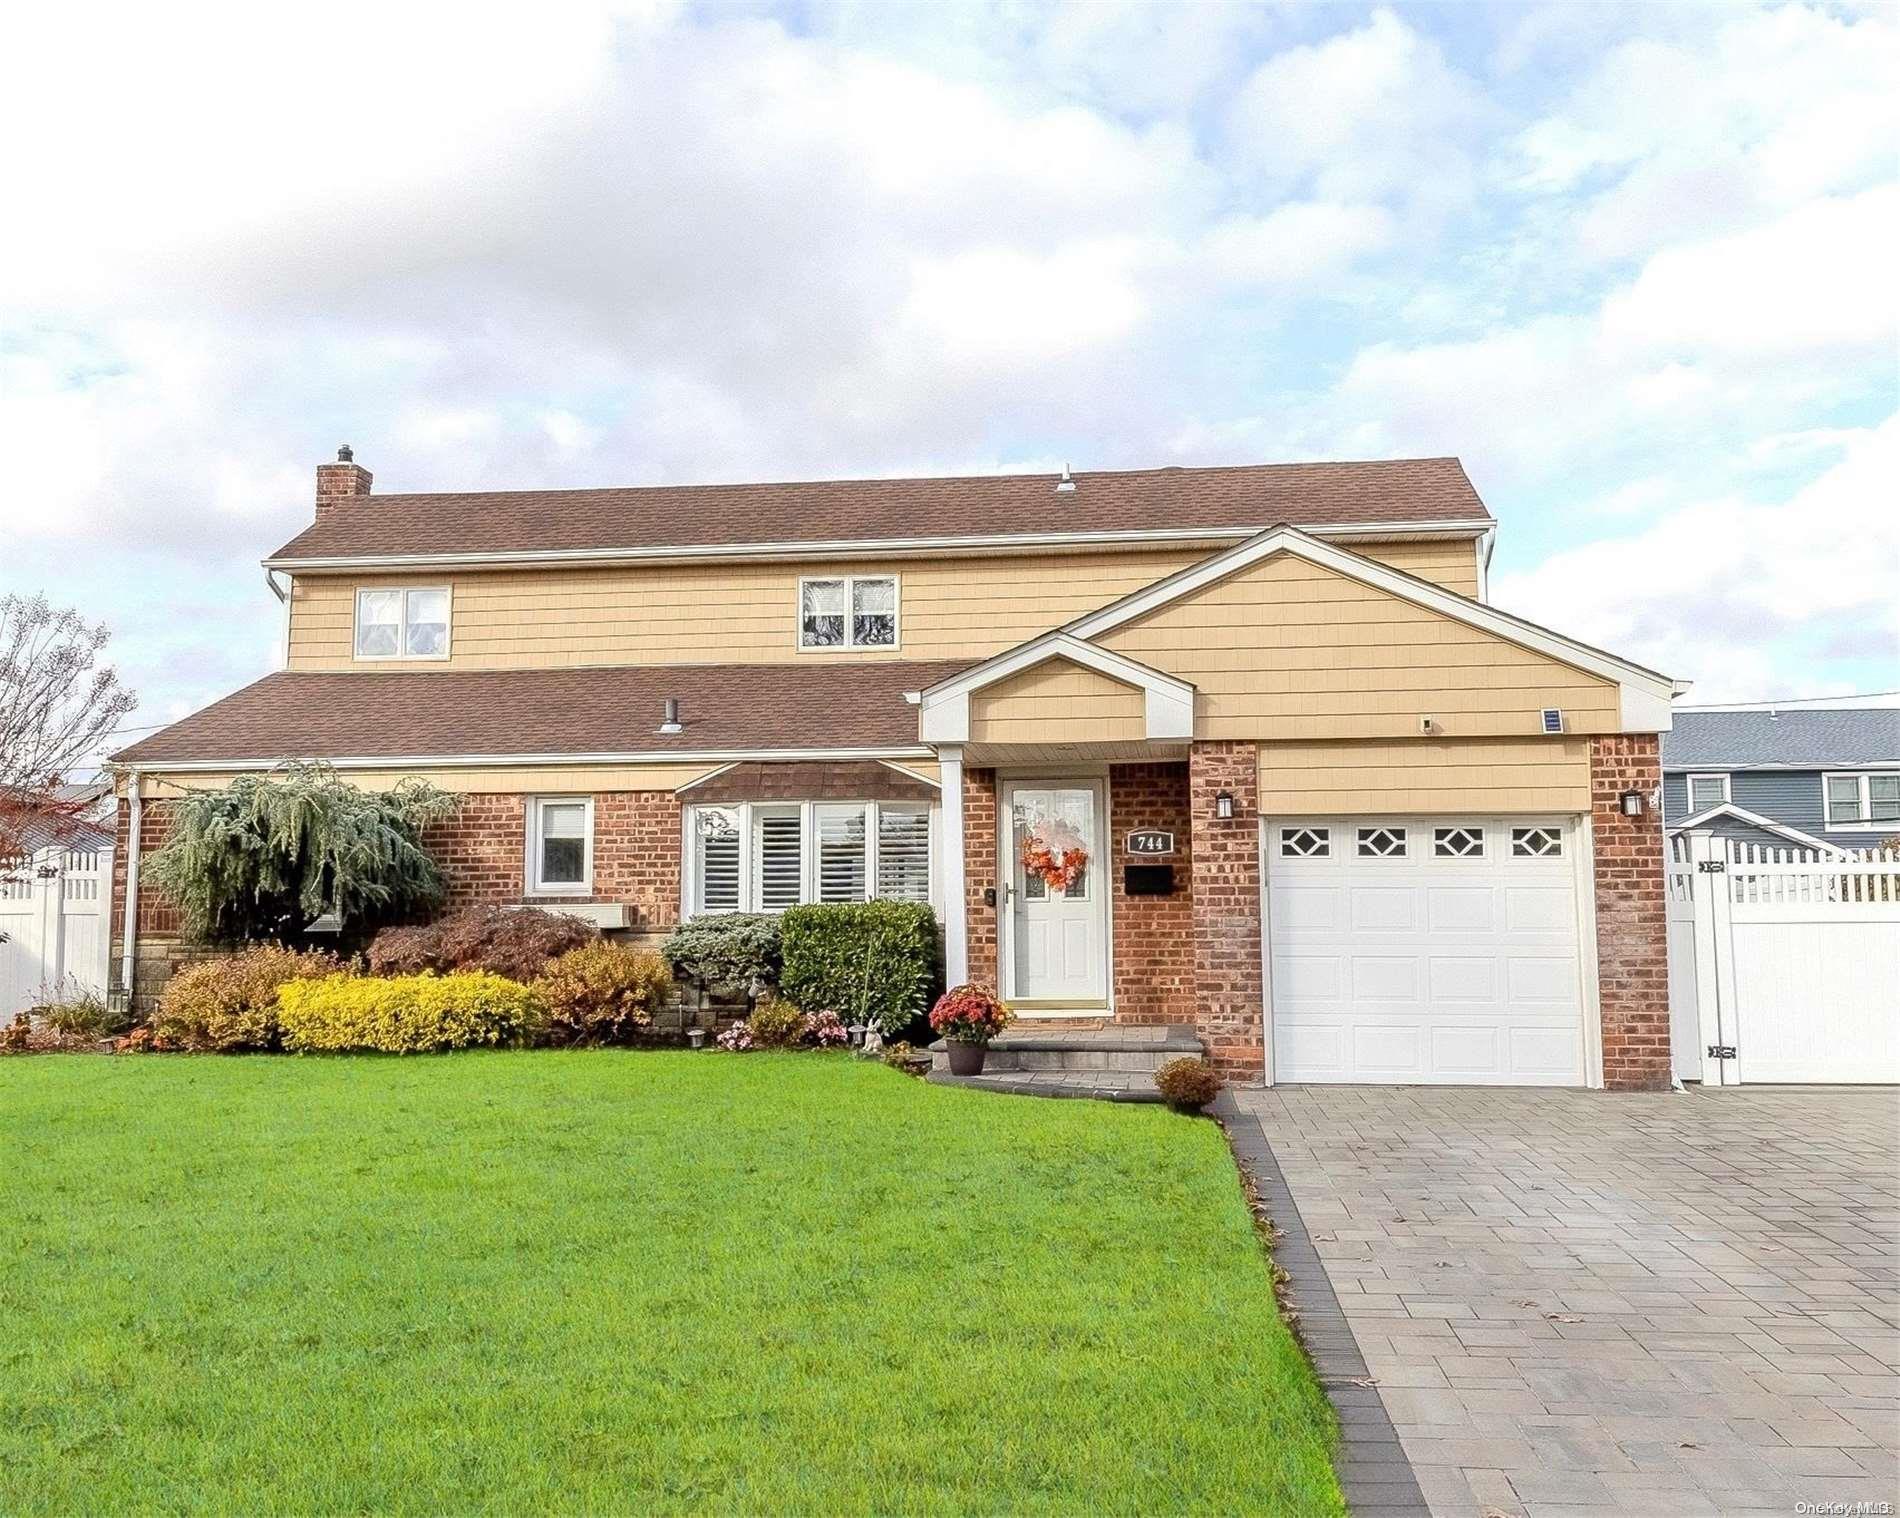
1827	779
1243	749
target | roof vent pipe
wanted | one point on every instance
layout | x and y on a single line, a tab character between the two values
670	721
1065	485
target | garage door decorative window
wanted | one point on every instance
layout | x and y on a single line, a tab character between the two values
1458	843
1382	843
1305	843
1537	843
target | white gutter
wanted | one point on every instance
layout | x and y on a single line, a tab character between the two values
131	925
283	631
961	544
514	761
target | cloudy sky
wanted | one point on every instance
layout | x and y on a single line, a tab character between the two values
1635	265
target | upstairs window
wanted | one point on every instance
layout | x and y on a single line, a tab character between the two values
403	624
1867	801
1706	791
855	611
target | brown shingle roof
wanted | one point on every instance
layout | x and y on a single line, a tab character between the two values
711	516
724	708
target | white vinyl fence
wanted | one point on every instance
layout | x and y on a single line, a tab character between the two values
1784	964
54	912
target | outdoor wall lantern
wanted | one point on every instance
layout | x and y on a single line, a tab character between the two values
1224	806
1632	803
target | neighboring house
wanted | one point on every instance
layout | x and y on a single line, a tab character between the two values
1807	779
1243	749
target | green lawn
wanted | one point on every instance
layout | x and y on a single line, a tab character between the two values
627	1282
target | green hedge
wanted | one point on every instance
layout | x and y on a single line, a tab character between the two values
873	962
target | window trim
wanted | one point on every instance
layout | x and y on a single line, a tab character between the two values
1869	824
1689	791
531	879
692	904
850	644
403	592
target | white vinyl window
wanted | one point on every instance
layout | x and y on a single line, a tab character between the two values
1862	801
854	611
560	845
403	624
1706	791
715	845
767	856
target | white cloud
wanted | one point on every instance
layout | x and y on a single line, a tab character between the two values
1368	114
1749	599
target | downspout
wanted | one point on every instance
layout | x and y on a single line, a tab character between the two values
1486	543
283	636
130	932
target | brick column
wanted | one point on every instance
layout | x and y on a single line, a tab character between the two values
1224	873
1632	941
979	874
1154	935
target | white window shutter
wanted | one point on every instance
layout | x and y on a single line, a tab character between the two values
718	840
841	852
778	850
903	854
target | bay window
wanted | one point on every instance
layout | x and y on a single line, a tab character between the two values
758	856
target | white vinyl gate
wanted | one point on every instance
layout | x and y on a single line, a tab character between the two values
1784	964
53	911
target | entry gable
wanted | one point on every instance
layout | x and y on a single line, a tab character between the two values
1052	684
1289	637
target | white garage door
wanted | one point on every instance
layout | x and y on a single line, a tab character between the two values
1425	949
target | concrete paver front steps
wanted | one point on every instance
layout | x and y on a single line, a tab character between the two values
1112	1064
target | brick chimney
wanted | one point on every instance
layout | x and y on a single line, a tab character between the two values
340	483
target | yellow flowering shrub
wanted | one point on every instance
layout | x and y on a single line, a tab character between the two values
409	1014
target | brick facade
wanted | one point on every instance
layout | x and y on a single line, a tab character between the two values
1632	942
980	875
1153	935
482	852
1225	883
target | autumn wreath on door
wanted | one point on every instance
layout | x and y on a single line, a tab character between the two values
1053	850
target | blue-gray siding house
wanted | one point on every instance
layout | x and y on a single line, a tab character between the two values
1828	777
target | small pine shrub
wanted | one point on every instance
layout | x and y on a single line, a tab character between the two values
409	1014
1188	1084
602	993
776	1025
515	942
734	950
231	1004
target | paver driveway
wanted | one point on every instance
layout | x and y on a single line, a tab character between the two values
1579	1301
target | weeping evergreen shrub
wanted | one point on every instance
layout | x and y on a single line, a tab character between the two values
262	858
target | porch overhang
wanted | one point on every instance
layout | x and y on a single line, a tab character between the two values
1159	722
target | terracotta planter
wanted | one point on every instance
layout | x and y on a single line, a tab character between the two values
967	1059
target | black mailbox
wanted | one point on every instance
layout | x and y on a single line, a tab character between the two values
1148	879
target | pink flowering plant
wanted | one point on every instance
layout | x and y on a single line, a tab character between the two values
736	1039
970	1015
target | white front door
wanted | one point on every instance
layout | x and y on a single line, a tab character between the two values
1426	950
1058	948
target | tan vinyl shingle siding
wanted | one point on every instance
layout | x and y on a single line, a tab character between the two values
1290	649
704	613
1058	702
1480	775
